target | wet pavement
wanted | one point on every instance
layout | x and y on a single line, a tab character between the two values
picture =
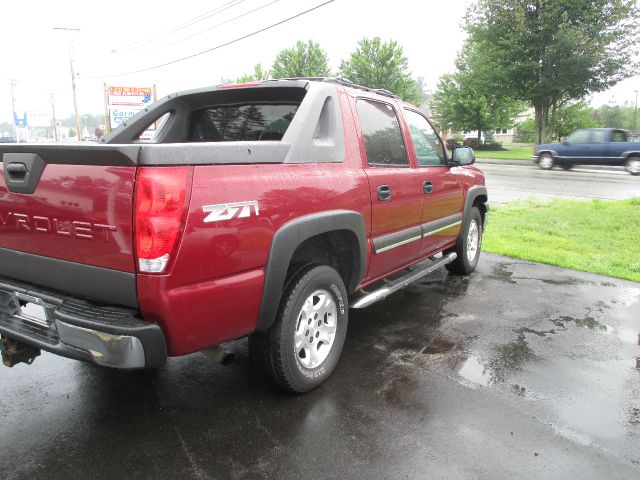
518	371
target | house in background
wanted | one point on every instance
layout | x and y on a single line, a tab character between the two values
501	135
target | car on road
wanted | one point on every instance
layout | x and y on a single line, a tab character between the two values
264	210
591	146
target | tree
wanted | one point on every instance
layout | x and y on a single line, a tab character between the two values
615	116
257	75
303	60
556	50
571	117
376	64
471	98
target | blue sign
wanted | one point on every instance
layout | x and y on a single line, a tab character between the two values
20	122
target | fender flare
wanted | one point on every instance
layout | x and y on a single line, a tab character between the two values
289	237
472	194
553	153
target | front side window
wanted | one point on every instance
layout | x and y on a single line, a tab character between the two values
429	149
235	123
618	136
382	135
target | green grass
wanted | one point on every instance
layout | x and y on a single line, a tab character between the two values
593	236
517	153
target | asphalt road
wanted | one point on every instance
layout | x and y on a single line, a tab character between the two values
507	181
518	371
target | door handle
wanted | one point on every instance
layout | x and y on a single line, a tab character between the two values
427	187
384	192
17	171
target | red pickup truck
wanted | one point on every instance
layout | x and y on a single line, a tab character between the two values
264	210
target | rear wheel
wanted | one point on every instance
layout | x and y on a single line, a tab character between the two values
546	161
302	347
469	244
632	165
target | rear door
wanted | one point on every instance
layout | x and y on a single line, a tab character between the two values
440	186
396	199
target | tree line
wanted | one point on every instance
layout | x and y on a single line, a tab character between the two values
544	54
374	63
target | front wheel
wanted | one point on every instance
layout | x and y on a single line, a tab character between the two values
303	346
468	246
633	165
545	161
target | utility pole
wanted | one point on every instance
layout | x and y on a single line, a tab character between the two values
12	82
73	78
53	114
635	110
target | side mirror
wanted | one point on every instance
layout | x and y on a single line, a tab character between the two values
464	156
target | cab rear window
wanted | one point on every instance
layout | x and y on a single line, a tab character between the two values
246	122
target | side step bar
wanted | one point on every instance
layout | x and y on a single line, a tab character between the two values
367	298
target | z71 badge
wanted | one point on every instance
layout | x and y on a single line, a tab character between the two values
225	211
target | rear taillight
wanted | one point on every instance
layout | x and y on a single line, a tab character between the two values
160	205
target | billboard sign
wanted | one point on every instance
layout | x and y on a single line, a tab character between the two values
120	115
39	119
125	102
130	96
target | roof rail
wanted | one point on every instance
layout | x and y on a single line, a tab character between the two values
344	82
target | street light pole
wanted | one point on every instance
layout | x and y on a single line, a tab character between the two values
73	78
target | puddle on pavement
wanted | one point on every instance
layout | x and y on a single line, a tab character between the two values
474	371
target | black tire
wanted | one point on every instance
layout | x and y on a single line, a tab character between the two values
545	161
566	166
632	164
463	265
276	354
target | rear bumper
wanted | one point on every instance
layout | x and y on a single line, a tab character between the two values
74	328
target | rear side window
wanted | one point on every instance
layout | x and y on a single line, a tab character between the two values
235	123
382	135
580	136
598	136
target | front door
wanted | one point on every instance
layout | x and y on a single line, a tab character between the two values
440	185
396	198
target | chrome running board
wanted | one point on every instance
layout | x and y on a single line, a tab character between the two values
364	299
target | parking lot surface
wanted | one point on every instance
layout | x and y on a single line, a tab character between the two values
518	371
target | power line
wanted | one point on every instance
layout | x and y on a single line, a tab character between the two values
217	47
182	26
215	26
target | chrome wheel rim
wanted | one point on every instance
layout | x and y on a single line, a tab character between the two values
315	329
633	165
545	162
473	237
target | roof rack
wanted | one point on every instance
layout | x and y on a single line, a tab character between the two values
344	82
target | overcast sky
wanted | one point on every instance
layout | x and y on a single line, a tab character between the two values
120	37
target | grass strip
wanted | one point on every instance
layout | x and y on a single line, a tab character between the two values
507	154
598	236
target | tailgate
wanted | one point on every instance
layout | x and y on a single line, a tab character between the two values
63	207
